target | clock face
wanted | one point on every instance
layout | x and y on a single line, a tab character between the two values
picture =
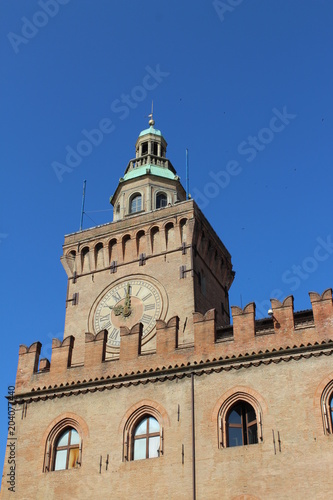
125	304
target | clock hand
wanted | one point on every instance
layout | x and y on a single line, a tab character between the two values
127	308
118	310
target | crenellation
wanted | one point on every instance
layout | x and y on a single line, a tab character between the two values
167	336
44	365
283	315
322	306
245	336
95	347
27	364
61	355
130	344
204	327
244	323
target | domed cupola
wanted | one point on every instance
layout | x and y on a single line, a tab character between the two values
150	181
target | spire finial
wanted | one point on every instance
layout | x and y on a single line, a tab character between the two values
151	121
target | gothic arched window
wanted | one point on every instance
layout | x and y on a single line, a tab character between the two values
146	439
161	200
242	426
67	450
326	403
136	203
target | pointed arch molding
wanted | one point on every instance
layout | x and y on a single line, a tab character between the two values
134	414
321	403
55	428
227	400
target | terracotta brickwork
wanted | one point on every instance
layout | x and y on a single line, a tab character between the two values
154	392
282	365
171	240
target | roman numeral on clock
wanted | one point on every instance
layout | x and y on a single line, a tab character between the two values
113	334
149	307
104	318
146	296
146	318
106	326
116	296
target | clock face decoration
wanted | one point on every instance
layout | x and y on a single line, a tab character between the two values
128	302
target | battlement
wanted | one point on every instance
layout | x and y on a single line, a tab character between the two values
248	342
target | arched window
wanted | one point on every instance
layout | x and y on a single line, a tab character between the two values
242	426
146	439
327	407
136	203
67	450
240	418
161	200
143	432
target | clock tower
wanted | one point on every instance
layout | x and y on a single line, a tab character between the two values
153	393
158	258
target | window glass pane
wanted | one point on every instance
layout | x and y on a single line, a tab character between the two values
63	441
161	200
252	434
154	426
251	414
139	449
141	428
136	203
154	445
73	458
235	416
60	462
75	438
235	436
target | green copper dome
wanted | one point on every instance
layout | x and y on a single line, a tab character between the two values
150	130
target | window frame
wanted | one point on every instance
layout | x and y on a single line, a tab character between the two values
68	447
225	409
147	436
135	419
161	193
52	439
134	196
244	425
327	408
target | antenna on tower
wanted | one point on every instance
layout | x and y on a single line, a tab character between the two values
83	200
151	121
187	177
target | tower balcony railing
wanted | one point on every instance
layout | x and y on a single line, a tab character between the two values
149	160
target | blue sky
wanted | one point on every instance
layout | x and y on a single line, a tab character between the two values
246	86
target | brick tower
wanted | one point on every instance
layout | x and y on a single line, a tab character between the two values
159	258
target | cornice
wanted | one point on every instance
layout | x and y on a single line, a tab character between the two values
172	372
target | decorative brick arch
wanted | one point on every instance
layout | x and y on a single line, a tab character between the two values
134	415
55	428
321	403
227	400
